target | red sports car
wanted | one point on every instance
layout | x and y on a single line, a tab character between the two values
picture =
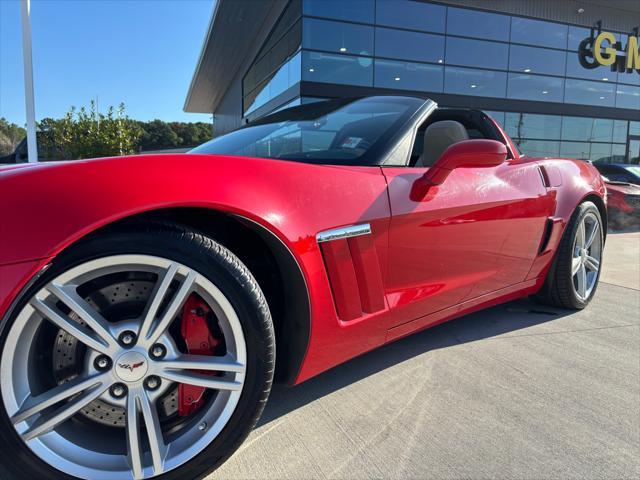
148	302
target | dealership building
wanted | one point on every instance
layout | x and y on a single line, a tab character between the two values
561	76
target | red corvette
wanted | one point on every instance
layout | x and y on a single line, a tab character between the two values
147	302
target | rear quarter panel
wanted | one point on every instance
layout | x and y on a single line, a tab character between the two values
569	183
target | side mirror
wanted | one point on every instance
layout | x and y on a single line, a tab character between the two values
468	153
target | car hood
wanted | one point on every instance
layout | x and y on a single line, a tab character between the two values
17	166
20	168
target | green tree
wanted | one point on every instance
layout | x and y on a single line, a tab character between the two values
157	135
10	135
192	134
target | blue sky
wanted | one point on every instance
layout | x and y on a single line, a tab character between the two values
140	52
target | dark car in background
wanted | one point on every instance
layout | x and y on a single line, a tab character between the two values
620	172
623	193
623	201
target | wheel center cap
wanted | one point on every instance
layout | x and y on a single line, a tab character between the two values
132	367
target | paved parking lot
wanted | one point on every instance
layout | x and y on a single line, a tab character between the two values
518	391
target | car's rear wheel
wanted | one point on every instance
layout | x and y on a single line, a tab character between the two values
573	277
136	355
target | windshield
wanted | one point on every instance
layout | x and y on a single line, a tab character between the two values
346	132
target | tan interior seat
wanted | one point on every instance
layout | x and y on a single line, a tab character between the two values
437	138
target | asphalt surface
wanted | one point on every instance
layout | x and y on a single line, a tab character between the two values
517	391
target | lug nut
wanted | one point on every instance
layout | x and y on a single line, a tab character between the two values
158	351
102	363
152	383
118	390
127	338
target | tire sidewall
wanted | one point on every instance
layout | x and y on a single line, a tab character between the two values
228	274
581	212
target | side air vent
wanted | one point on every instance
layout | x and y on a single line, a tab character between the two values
353	269
546	235
544	176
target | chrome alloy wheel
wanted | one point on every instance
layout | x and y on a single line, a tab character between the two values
128	359
587	255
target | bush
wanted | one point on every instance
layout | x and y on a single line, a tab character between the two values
87	134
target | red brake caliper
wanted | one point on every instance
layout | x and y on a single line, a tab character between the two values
200	341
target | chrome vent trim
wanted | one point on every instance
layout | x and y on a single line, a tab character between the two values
344	232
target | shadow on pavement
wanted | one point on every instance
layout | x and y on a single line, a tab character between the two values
477	326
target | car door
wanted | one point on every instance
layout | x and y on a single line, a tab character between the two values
476	233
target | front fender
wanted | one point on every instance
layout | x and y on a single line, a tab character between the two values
49	207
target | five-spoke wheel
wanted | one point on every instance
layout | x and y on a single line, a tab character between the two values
587	253
95	360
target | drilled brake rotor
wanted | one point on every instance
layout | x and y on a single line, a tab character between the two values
68	353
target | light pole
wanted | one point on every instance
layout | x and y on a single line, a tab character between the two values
32	144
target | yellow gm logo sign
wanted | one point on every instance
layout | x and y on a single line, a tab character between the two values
605	50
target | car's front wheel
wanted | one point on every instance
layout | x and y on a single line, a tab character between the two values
136	355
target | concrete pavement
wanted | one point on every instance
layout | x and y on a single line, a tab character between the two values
517	391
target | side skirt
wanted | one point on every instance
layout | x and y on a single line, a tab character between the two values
513	292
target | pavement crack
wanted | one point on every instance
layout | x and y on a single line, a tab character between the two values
565	331
619	286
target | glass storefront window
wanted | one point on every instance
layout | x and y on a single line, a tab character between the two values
572	137
600	152
535	87
577	35
286	76
620	131
538	32
632	78
497	116
421	47
589	93
587	129
634	128
336	68
353	10
338	37
416	45
276	67
408	75
574	69
474	23
628	96
529	125
411	14
539	148
290	16
618	152
536	60
466	81
577	150
633	155
477	53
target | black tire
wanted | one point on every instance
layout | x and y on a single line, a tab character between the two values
558	289
226	271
